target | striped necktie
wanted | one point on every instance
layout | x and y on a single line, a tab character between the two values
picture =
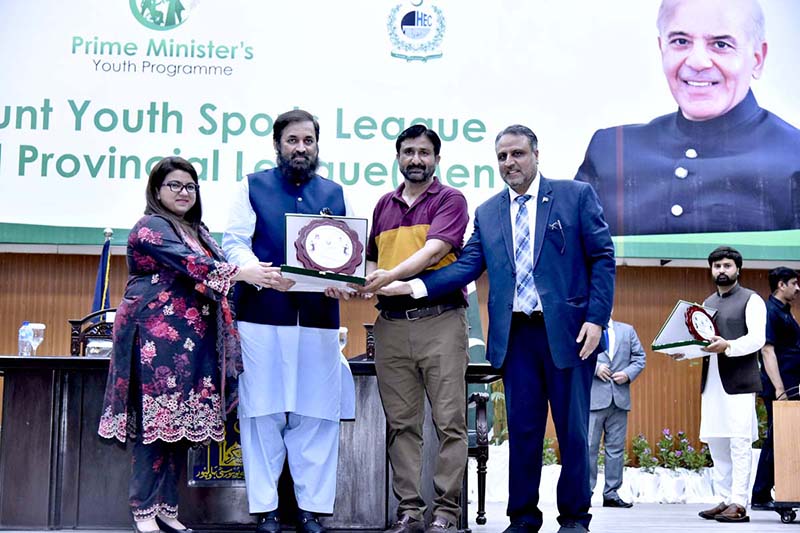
523	257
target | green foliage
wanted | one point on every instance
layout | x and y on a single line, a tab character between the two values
674	451
667	452
500	421
549	456
761	413
644	453
694	459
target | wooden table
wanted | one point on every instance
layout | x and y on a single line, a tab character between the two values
56	473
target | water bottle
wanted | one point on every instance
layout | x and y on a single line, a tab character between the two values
24	339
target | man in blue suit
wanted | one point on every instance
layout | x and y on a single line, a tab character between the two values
548	304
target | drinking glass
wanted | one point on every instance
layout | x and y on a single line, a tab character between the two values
38	335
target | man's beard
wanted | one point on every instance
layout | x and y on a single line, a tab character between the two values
298	168
723	280
426	173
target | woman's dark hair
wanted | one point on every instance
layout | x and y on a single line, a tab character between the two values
193	216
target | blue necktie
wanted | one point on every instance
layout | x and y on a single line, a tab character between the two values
523	257
605	340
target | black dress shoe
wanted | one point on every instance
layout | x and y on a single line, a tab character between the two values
137	530
521	527
768	505
572	527
166	528
308	522
616	502
269	523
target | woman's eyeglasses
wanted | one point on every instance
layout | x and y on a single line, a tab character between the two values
177	187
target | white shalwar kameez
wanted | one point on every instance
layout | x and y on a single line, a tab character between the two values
728	422
295	388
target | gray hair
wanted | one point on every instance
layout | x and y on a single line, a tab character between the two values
522	131
757	30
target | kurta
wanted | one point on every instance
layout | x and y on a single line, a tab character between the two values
173	339
302	367
733	415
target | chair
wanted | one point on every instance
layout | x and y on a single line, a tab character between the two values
477	439
478	447
91	328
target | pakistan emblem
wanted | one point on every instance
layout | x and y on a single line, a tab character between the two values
416	31
162	15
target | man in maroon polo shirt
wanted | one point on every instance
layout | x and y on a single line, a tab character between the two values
421	345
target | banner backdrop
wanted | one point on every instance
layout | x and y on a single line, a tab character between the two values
94	93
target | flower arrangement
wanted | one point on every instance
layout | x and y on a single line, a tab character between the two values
674	451
549	456
644	453
670	455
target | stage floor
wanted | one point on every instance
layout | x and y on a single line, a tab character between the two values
649	517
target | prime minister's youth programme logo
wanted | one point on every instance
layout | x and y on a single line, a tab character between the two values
416	31
162	15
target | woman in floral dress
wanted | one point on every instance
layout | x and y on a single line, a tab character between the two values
174	343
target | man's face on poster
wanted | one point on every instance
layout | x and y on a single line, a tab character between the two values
709	53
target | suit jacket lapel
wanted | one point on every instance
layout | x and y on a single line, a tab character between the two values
504	214
544	200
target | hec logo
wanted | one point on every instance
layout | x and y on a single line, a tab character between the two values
416	32
162	15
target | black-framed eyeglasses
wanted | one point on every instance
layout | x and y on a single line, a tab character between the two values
177	187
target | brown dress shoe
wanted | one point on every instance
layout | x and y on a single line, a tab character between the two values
734	513
710	514
441	525
406	524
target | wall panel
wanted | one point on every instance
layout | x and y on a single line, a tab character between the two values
53	288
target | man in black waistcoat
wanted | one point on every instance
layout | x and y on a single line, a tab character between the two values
730	379
296	385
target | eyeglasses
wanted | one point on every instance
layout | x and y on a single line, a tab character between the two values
177	187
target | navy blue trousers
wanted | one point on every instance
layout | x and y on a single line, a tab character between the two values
531	380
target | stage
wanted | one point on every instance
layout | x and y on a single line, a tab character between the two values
649	517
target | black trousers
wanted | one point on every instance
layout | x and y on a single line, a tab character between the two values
532	381
155	470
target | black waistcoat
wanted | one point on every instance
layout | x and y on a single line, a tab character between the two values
738	374
272	196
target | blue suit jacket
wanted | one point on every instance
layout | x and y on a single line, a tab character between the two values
573	266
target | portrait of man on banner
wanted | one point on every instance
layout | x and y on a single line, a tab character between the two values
721	163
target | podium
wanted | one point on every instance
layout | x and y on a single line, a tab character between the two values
786	429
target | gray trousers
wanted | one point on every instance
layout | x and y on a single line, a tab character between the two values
612	421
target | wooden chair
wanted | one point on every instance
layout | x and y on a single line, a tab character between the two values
91	327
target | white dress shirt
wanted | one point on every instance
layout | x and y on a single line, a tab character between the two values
612	340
